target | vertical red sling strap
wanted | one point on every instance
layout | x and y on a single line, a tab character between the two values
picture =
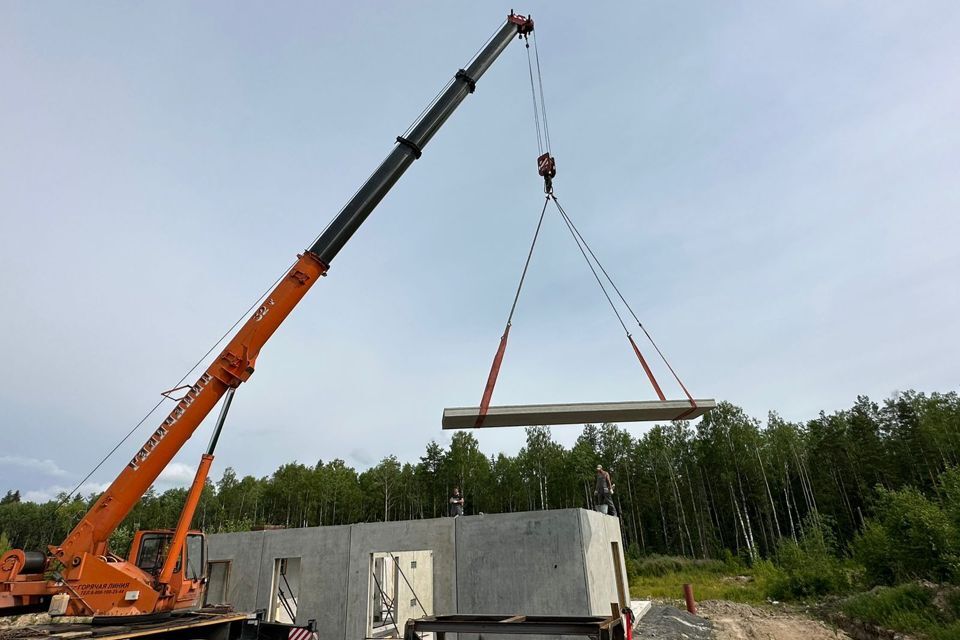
501	349
492	378
693	403
546	166
646	368
585	249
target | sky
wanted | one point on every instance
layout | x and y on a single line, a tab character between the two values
773	187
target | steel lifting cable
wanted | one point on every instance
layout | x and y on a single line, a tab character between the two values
223	337
543	100
526	265
546	166
582	243
547	169
543	144
539	104
502	347
533	94
546	163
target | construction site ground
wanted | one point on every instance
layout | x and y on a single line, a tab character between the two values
726	620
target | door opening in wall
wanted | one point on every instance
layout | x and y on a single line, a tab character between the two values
618	571
400	588
218	582
285	590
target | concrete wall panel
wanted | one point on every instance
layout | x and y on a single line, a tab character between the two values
435	534
243	551
538	562
324	554
599	533
521	563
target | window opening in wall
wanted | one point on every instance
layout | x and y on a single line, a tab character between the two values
285	590
400	588
218	577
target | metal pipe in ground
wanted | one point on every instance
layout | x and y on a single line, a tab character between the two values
688	596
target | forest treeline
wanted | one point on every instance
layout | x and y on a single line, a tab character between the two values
728	485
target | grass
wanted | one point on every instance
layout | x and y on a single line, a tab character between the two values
663	577
922	609
910	607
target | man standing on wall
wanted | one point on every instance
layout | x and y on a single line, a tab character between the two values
456	503
604	492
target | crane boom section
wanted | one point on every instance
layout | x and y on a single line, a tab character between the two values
409	148
233	366
236	362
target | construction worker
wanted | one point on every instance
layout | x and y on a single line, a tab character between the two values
604	492
456	503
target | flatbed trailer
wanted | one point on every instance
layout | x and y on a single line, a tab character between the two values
218	623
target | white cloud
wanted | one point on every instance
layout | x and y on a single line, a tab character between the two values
788	212
46	466
177	474
50	493
362	457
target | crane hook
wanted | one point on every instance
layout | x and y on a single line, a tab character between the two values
547	168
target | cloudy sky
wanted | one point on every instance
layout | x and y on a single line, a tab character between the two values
775	189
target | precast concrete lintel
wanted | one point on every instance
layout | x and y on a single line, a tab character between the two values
526	415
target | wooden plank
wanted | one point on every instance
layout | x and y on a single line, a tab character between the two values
109	631
526	415
184	622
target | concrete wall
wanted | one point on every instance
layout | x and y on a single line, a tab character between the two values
603	561
322	562
538	562
528	562
244	551
407	535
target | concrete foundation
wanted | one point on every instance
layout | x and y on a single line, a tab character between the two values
365	580
577	413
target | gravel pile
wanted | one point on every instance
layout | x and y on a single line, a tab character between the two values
664	622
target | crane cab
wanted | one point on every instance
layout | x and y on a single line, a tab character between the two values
148	552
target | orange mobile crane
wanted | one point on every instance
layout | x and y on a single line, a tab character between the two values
165	570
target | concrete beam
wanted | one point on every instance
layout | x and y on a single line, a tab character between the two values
526	415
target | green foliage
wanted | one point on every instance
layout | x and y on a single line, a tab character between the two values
659	566
873	548
120	539
914	608
663	577
910	536
808	568
730	487
4	543
950	499
234	526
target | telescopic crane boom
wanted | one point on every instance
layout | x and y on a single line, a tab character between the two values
100	583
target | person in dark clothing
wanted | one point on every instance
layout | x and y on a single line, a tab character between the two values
604	492
456	503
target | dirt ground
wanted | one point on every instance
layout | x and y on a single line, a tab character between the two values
736	621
